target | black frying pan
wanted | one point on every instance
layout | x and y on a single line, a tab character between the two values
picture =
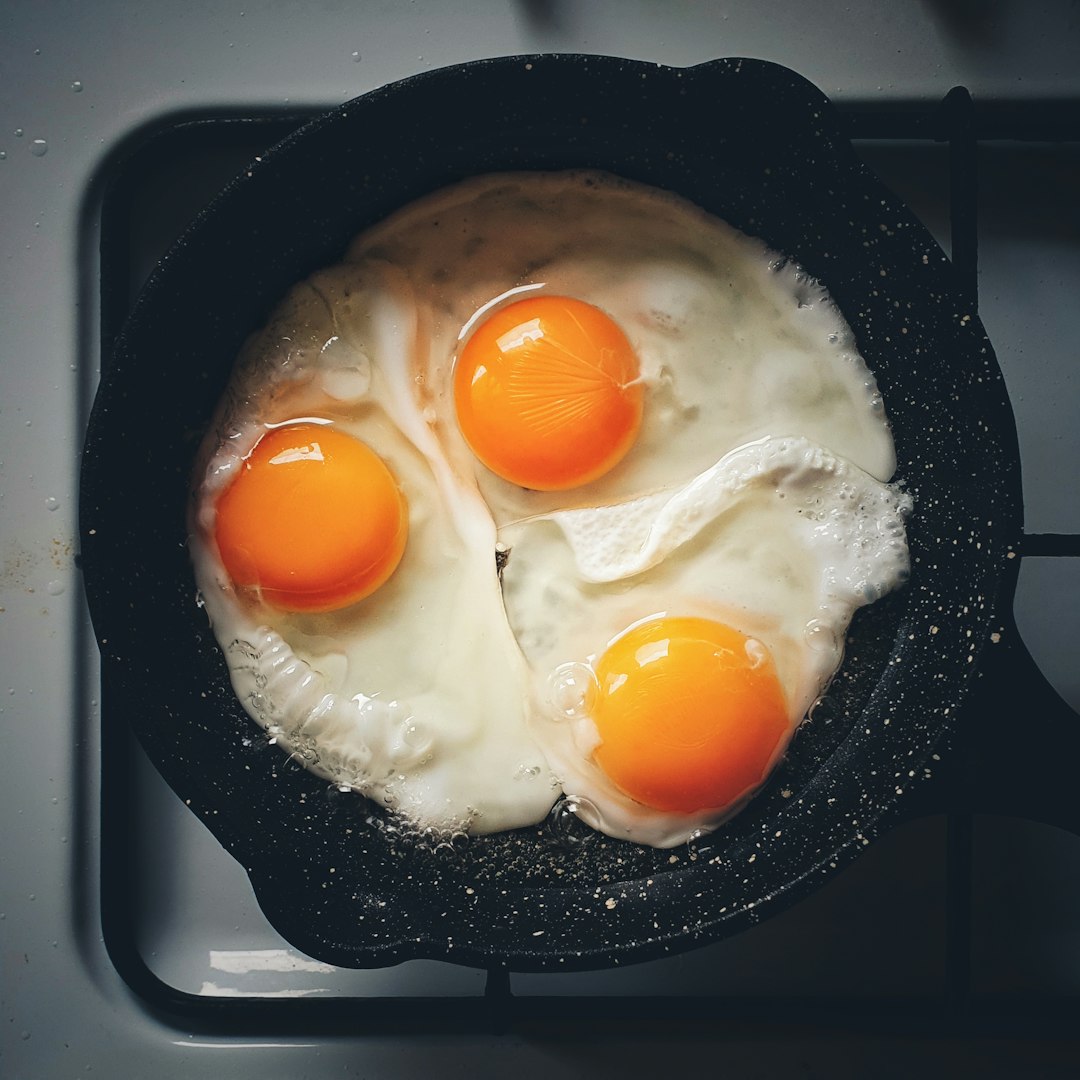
759	147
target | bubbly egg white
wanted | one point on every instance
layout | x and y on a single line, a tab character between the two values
424	696
779	539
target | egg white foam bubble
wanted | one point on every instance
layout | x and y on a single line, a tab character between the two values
426	696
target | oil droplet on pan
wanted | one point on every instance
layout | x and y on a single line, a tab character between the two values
39	148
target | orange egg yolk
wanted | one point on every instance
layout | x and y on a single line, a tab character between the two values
314	520
547	394
690	713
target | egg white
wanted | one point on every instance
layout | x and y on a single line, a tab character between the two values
424	697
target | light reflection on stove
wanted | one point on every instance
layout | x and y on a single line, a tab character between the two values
209	989
244	961
263	961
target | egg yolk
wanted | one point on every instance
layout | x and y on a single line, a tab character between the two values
547	394
314	519
690	714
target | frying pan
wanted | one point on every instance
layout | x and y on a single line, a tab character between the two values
759	147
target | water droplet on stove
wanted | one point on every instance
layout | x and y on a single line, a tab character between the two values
39	148
52	503
356	57
19	133
55	587
76	87
3	155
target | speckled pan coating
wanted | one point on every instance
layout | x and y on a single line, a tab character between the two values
754	144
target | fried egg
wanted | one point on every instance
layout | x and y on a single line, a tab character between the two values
412	693
676	641
662	425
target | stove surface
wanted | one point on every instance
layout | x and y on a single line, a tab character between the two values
860	976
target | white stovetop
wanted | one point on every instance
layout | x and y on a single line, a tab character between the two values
75	78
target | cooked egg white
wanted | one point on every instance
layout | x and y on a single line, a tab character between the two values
758	470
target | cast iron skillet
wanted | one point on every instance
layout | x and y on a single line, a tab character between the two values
754	144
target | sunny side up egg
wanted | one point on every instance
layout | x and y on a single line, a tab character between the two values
679	639
555	485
